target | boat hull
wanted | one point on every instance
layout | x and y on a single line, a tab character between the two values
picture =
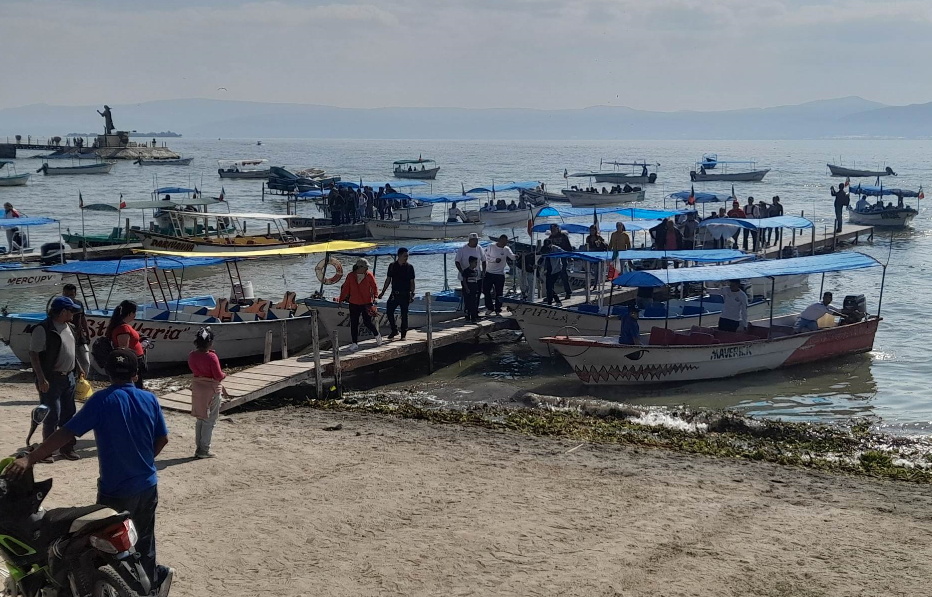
888	218
167	162
426	174
14	180
584	199
502	217
603	362
334	317
103	168
15	278
393	229
752	176
854	173
538	320
622	178
248	174
413	214
541	197
162	242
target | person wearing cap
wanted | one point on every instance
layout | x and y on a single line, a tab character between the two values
52	352
361	291
630	330
130	431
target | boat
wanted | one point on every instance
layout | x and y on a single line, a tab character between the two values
593	199
541	196
223	233
16	276
700	174
164	162
240	324
419	169
855	173
494	211
879	215
639	173
247	169
709	161
16	231
503	217
98	168
285	181
665	356
13	179
394	229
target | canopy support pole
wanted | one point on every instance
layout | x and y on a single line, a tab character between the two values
326	262
780	249
883	278
773	288
822	285
701	298
112	284
608	309
179	284
666	316
446	281
588	284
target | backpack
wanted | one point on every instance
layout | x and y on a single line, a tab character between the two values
100	350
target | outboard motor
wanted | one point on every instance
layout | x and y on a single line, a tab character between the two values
652	178
854	309
52	253
789	252
890	171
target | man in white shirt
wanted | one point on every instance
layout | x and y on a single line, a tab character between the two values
808	320
862	204
734	315
470	249
454	215
497	256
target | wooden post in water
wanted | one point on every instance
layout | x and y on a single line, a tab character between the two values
834	238
430	334
127	230
284	339
337	373
268	347
812	245
315	346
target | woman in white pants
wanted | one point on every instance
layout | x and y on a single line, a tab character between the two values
206	390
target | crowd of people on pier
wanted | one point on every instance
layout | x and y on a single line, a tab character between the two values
352	205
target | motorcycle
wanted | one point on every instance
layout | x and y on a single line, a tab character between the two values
63	552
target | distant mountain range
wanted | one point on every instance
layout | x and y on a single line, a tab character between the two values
842	117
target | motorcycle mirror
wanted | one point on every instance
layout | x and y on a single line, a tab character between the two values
39	413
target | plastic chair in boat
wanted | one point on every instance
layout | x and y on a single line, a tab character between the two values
221	312
288	302
259	308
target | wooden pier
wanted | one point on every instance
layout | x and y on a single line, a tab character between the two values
262	380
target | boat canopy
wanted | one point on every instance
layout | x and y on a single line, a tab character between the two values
700	256
118	267
417	161
337	246
717	161
643	163
631	212
874	191
155	204
241	162
702	197
425	249
511	186
443	198
817	264
754	224
634	226
238	216
16	222
171	190
400	184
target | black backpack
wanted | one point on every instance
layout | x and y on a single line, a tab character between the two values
100	350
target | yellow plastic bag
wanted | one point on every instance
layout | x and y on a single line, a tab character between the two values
82	389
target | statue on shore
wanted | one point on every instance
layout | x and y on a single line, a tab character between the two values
108	120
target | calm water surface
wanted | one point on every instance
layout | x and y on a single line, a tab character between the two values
889	384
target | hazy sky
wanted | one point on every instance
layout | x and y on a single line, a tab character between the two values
649	54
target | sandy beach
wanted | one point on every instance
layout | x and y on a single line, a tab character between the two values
387	506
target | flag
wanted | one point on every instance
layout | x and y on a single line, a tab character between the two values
462	186
921	194
566	173
848	182
222	194
530	227
122	203
80	200
691	200
419	157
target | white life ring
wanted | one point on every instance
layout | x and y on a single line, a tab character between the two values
321	271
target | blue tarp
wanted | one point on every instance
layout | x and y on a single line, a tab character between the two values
16	222
173	190
425	249
873	191
603	227
701	256
511	186
702	197
753	224
444	198
312	193
833	262
118	267
376	185
631	212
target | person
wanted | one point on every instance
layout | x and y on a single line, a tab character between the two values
552	268
775	211
10	213
527	266
470	249
668	238
512	206
333	202
522	204
130	431
690	227
360	290
206	390
808	320
470	279
595	242
750	212
736	212
401	277
630	330
122	335
763	211
500	205
82	337
497	255
842	200
560	241
862	204
455	214
619	241
52	346
734	315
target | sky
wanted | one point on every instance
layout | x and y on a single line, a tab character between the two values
547	54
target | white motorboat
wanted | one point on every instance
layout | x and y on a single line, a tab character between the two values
638	173
16	276
540	196
895	217
333	316
844	172
587	199
419	169
248	169
413	214
502	217
210	232
13	179
99	168
702	174
394	229
880	215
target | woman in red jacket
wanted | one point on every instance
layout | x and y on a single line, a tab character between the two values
361	291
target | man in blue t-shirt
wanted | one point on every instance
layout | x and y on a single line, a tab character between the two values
130	432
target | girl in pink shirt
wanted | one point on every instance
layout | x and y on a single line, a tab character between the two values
206	390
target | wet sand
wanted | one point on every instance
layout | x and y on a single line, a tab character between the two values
385	506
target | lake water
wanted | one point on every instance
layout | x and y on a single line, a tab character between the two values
888	384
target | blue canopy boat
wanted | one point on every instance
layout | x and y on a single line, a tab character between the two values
882	215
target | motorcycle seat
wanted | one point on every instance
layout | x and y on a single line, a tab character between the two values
65	521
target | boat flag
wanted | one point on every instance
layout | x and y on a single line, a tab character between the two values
222	194
80	200
530	227
848	182
921	194
122	203
691	200
566	173
463	186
